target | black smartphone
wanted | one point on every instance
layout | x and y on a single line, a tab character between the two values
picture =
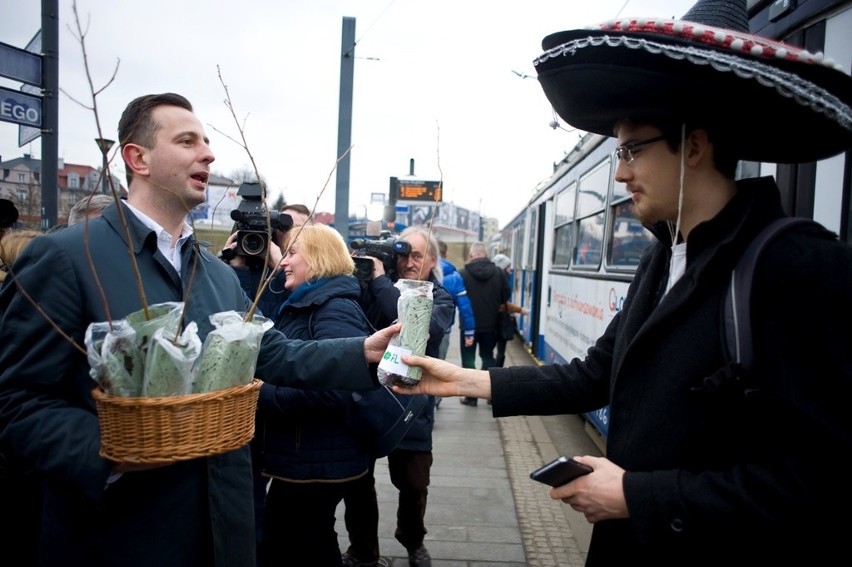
560	471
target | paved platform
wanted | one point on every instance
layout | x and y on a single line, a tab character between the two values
483	508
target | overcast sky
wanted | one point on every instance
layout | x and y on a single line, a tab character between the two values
433	82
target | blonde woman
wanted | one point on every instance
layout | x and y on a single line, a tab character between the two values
12	243
302	441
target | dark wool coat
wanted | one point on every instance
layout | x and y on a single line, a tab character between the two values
302	434
382	311
715	476
488	288
196	512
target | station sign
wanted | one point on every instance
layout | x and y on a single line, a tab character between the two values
20	108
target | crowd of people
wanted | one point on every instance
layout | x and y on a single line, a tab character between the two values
304	456
694	468
95	511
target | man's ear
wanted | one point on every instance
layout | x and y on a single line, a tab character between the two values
697	147
136	158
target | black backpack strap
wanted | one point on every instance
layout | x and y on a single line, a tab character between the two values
738	298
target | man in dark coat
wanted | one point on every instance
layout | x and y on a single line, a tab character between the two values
704	465
409	464
488	289
96	512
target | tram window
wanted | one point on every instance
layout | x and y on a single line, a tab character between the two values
593	190
629	237
562	245
564	209
563	238
532	239
590	241
619	191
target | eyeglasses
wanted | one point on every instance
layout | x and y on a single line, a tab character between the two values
625	153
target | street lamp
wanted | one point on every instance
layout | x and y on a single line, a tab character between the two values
104	145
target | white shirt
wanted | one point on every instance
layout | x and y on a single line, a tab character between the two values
164	239
678	265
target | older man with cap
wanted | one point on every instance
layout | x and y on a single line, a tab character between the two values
705	465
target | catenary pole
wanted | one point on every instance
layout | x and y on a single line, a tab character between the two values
344	127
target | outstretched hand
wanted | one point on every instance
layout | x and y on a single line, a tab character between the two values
444	379
376	344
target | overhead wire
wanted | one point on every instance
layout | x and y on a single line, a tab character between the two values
369	27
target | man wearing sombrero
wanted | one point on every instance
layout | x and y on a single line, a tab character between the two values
703	465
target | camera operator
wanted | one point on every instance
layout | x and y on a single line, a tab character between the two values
409	463
250	269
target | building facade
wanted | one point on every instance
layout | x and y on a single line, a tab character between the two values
20	182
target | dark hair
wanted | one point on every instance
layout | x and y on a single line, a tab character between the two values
442	248
724	158
137	126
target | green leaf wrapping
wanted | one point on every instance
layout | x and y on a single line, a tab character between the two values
230	352
414	309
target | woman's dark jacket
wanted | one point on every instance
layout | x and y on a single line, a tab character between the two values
196	512
274	294
719	471
382	311
301	434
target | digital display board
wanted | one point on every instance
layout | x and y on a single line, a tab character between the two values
416	190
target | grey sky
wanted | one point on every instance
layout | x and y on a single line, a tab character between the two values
433	83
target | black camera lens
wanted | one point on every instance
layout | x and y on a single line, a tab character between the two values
253	243
402	247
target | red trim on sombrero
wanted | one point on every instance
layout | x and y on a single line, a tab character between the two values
717	38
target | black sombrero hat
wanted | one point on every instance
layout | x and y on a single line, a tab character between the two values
779	103
8	213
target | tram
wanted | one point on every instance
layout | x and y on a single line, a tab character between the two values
576	244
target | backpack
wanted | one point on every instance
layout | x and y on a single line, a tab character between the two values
737	308
379	417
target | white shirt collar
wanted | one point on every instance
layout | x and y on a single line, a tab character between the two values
164	239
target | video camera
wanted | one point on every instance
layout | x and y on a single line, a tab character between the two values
386	249
254	223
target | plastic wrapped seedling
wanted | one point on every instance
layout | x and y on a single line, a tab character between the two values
117	350
168	366
415	312
229	356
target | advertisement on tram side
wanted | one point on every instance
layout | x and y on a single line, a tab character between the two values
579	310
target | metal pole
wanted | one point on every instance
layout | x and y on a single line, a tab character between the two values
50	113
344	127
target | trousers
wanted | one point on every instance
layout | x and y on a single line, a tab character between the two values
409	473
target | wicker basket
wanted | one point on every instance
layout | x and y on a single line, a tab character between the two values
176	428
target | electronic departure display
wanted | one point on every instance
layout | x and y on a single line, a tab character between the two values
416	190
